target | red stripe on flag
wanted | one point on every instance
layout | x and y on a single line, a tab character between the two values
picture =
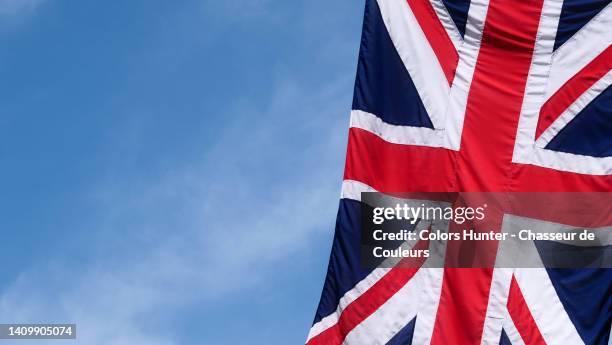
485	158
437	36
496	95
574	88
533	178
364	306
521	316
582	210
371	300
463	305
389	167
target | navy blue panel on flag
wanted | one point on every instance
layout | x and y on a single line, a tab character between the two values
561	255
585	295
383	86
458	10
344	270
404	336
574	15
503	339
590	131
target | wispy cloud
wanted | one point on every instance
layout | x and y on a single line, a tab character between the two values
199	232
18	7
262	191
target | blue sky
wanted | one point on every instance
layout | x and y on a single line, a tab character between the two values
170	170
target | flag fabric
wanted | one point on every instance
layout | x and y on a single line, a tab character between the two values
474	96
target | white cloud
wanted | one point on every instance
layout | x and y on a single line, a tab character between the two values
264	191
191	226
18	7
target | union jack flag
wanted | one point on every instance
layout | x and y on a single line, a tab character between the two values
474	96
